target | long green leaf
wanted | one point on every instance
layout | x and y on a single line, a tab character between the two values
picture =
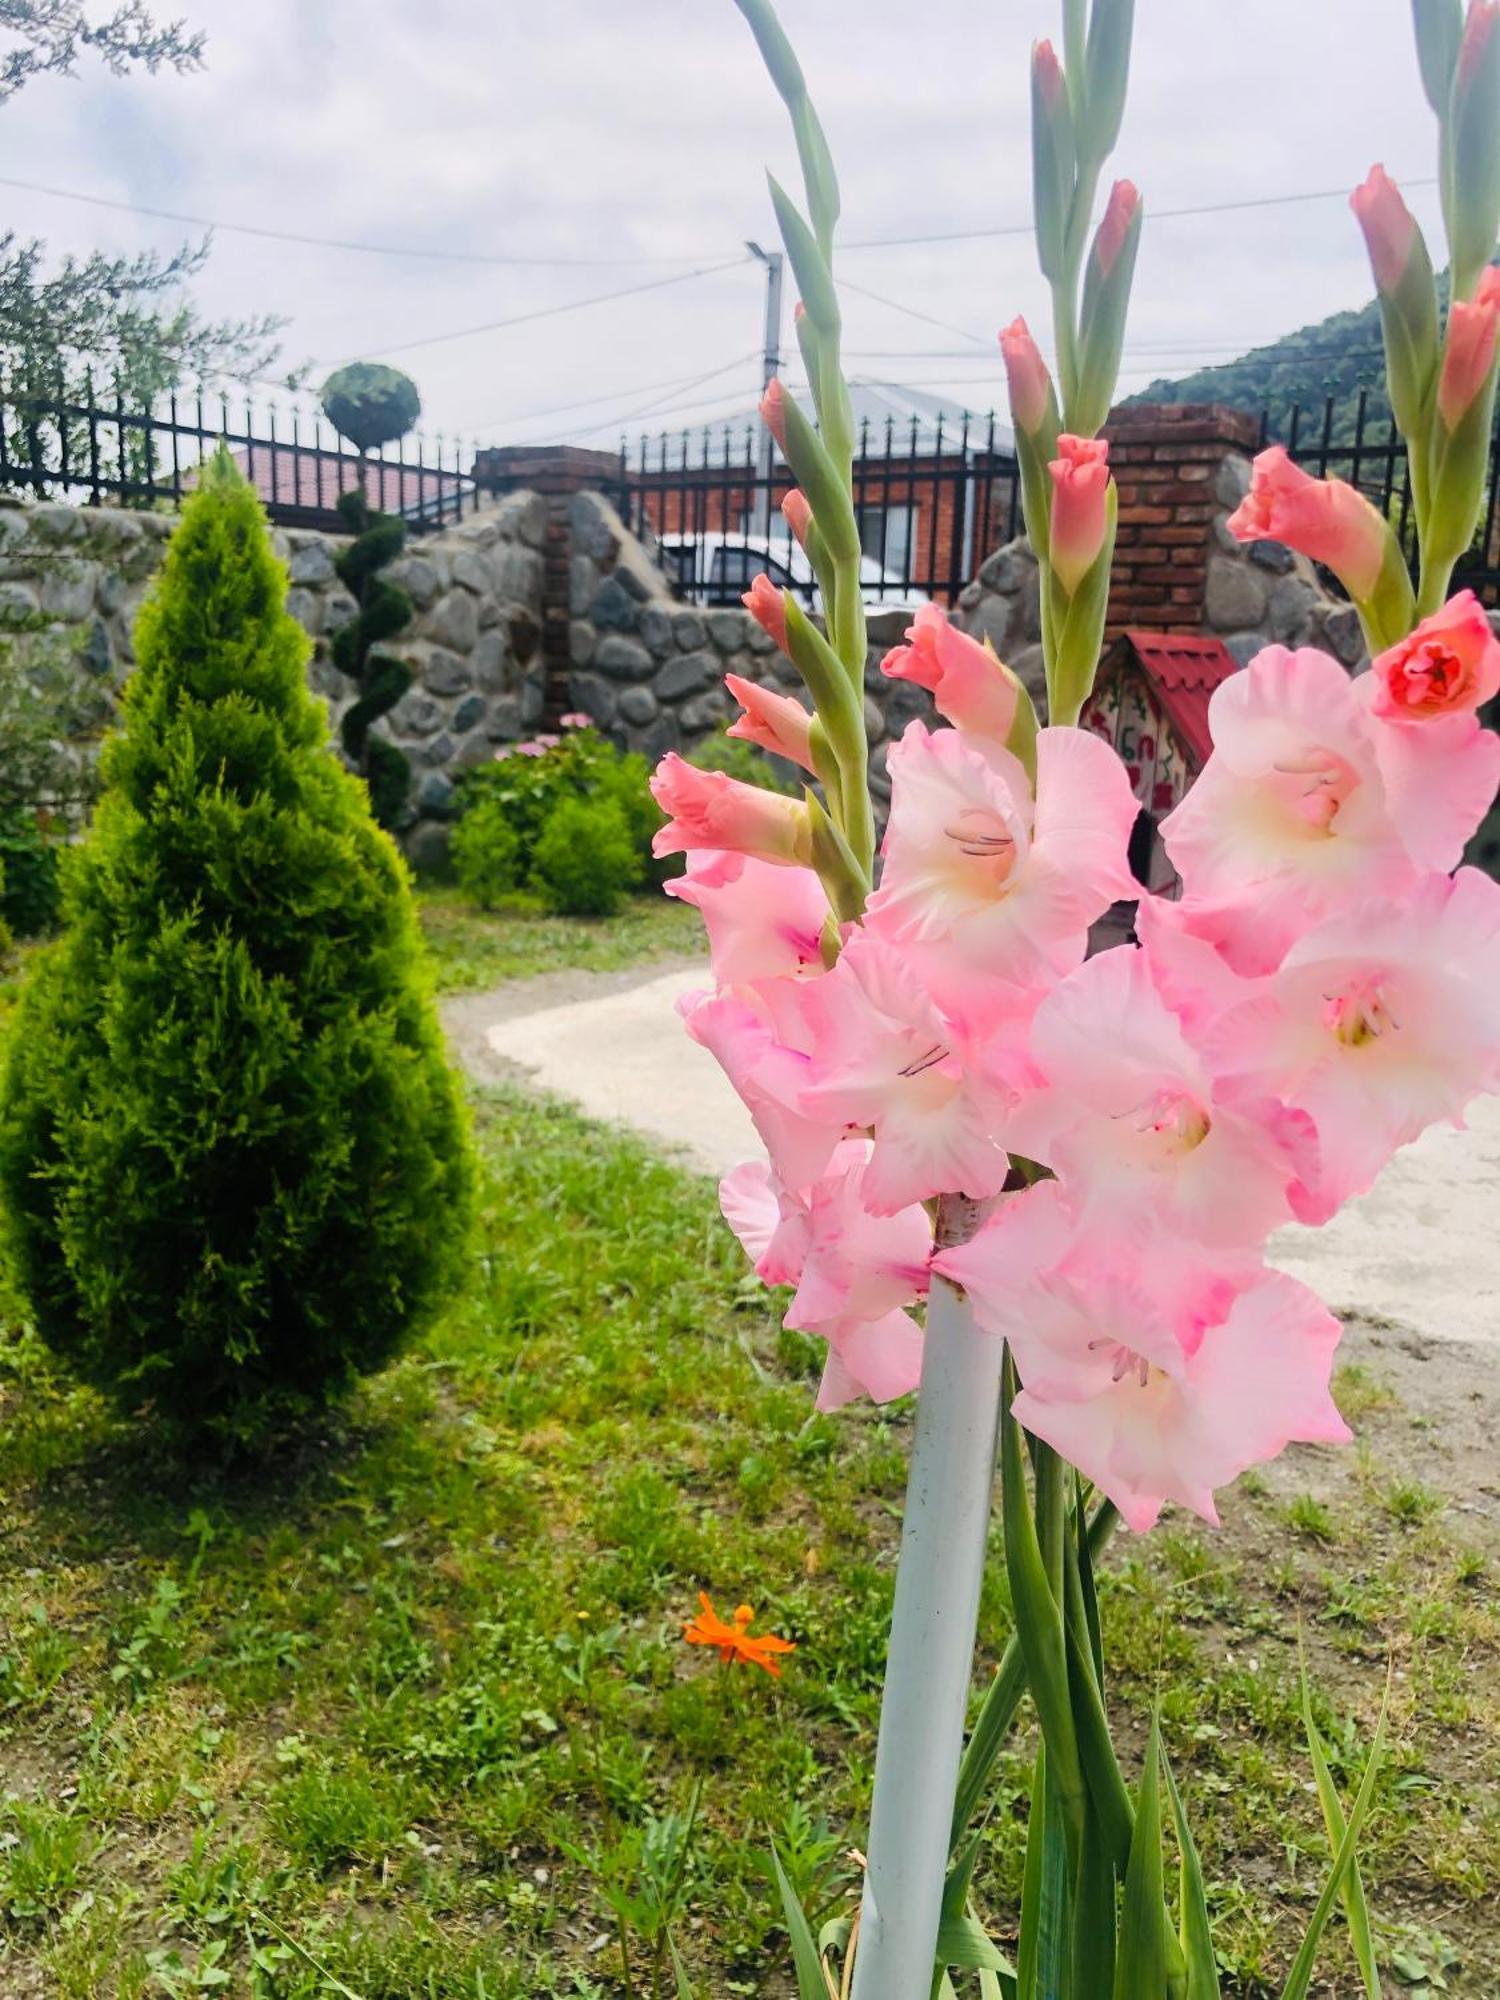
811	1982
1094	1915
1141	1962
679	1973
1096	1752
1042	1955
1352	1891
1300	1977
1197	1938
965	1943
1038	1620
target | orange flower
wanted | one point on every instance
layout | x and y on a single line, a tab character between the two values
734	1642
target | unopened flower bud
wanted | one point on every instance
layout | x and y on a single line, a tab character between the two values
1053	162
1080	507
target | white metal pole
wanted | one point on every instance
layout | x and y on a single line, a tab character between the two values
938	1578
760	521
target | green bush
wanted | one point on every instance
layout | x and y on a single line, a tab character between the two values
752	766
486	853
586	858
30	895
524	786
234	1168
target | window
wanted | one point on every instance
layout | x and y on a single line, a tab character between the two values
888	535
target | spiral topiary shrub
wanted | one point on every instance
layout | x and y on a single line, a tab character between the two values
379	679
234	1167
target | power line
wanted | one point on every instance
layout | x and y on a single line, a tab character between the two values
607	396
552	312
336	242
1152	215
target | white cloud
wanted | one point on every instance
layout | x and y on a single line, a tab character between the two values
585	128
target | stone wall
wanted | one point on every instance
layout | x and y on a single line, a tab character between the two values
76	576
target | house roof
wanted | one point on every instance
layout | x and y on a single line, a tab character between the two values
1184	668
916	419
310	480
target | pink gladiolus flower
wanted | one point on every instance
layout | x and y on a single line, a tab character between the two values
767	606
1137	1126
1379	1023
797	514
987	880
1449	666
776	722
709	809
1291	809
773	411
1469	350
1119	214
1389	227
1080	513
1161	1385
1026	373
1323	519
763	921
964	678
854	1272
770	1078
887	1057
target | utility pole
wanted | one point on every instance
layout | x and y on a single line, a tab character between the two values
760	513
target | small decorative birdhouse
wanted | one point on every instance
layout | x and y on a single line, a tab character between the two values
1151	703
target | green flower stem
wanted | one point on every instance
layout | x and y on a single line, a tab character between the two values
943	1539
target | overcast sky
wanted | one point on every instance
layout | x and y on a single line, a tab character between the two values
636	135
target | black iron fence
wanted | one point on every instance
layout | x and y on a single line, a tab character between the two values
933	499
1356	439
87	449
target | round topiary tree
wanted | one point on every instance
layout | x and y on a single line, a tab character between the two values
371	405
234	1164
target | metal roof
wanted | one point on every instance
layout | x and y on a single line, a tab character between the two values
1183	668
907	412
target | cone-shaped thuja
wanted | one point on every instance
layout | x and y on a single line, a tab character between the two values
233	1160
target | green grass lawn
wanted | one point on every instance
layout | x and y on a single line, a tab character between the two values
412	1700
474	948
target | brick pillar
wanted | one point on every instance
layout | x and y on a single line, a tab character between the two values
556	472
1164	457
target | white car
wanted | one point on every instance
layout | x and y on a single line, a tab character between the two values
717	568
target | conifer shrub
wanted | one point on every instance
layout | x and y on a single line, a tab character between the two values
234	1168
486	854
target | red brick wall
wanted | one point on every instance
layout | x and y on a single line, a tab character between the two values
1164	457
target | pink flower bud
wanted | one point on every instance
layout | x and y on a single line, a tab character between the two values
1047	74
773	721
1469	351
797	514
707	809
1482	22
1323	519
1389	227
967	683
773	411
1026	372
767	606
1119	214
1080	509
1449	665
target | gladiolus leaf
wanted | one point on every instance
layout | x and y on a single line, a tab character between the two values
1302	1966
1197	1938
1352	1895
1141	1965
812	1981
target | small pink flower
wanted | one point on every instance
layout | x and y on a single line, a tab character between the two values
1080	514
1450	665
1026	374
710	809
763	921
576	720
987	881
773	411
1390	229
797	514
767	606
775	722
1119	214
1469	350
1324	519
964	678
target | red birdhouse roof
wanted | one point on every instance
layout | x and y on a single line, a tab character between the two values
1183	668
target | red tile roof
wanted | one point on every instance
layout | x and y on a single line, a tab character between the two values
300	476
1184	668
